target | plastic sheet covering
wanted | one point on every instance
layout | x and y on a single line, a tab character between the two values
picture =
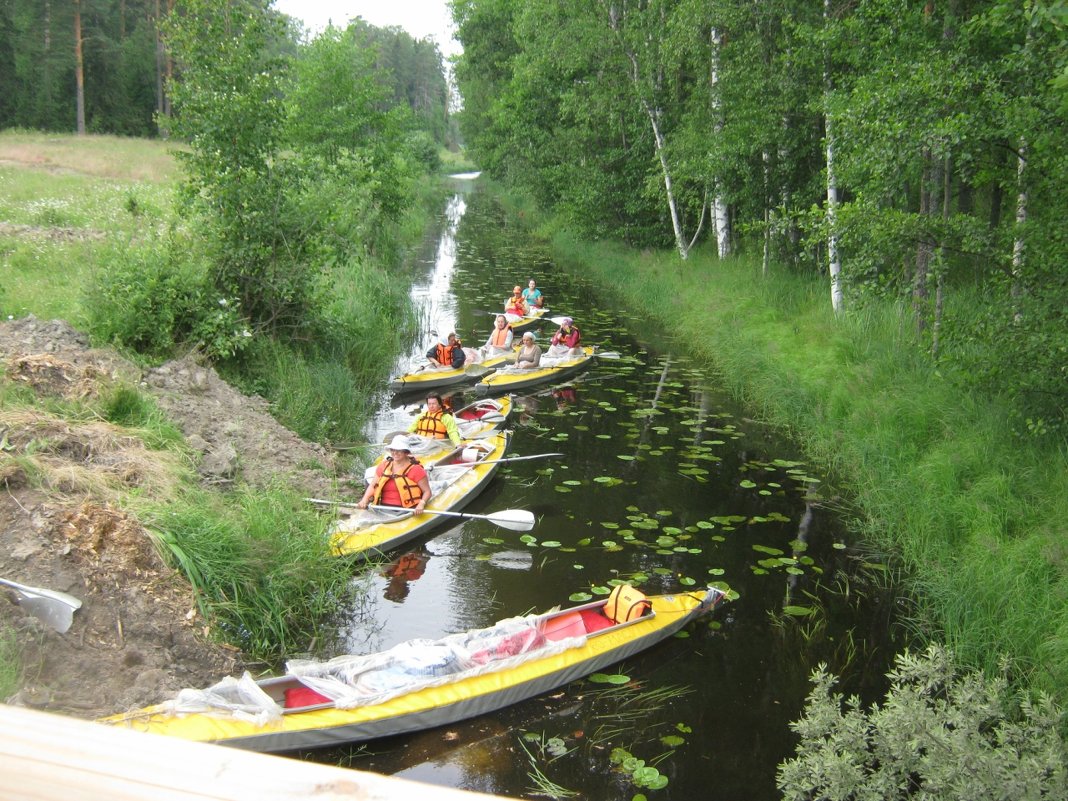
352	681
232	698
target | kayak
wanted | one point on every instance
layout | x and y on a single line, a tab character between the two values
420	684
552	368
519	324
427	377
477	420
456	478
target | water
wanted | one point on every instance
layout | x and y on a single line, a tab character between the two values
665	478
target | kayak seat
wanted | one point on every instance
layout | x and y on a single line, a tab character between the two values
304	696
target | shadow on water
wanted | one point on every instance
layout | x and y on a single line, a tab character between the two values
666	481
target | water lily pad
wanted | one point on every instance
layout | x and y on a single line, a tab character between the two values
579	597
609	678
769	550
550	544
493	540
626	457
746	483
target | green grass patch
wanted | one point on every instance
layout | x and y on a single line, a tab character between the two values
10	663
261	567
938	474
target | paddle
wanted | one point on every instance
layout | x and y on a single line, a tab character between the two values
522	458
514	519
477	370
51	606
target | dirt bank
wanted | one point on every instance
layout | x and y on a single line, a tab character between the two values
137	636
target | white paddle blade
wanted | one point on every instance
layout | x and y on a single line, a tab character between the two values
514	519
608	354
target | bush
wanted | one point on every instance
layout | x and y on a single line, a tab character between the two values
938	735
158	295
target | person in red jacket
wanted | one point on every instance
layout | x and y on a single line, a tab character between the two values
399	480
565	341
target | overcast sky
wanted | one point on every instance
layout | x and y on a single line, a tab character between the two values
421	18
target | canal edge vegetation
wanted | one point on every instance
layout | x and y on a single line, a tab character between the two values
945	479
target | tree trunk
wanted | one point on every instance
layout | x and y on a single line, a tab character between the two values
834	265
936	329
1021	220
79	67
159	64
719	204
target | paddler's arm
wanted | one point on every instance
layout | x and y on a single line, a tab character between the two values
451	429
424	485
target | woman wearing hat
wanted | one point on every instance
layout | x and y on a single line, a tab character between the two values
566	339
529	354
399	480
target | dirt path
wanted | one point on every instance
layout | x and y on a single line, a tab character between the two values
137	637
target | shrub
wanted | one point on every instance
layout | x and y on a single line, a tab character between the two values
159	295
938	735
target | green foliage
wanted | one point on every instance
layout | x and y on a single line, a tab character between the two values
157	295
939	734
261	565
10	662
127	406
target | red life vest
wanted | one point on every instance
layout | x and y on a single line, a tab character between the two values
410	492
432	424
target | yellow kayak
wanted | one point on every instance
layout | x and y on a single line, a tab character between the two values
421	684
456	478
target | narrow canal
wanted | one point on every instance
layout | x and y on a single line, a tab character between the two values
665	481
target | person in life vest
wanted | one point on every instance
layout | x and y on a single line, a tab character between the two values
447	353
500	338
532	295
436	422
399	480
407	568
515	304
565	341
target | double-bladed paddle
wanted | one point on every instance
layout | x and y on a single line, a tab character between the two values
514	519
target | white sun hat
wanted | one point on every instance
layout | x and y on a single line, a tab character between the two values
399	443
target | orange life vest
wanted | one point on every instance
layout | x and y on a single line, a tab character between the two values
445	353
410	491
515	305
499	337
432	424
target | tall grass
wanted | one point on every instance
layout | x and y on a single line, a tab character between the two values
261	567
10	663
937	472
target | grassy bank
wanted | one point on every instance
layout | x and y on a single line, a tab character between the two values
937	475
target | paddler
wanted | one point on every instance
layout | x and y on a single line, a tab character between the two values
500	338
447	353
515	304
436	422
399	480
566	340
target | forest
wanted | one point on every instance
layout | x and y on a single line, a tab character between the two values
911	151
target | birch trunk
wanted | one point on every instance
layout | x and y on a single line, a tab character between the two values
1021	219
719	205
834	265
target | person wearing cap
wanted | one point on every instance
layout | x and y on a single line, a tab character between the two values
436	422
515	304
399	480
532	295
566	340
529	354
447	353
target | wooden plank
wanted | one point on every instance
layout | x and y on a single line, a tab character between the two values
45	757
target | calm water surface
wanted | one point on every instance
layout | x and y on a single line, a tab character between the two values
665	480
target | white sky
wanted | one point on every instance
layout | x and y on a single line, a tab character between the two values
421	18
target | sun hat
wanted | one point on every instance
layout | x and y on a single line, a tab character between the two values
567	321
399	443
529	334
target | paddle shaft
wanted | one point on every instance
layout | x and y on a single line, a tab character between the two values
522	458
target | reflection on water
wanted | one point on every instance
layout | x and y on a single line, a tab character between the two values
665	481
